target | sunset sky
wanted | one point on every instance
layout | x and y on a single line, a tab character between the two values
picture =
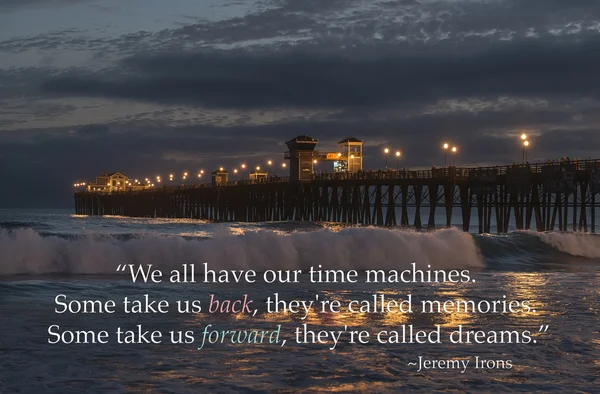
150	87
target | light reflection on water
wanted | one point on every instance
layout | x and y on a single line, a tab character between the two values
564	359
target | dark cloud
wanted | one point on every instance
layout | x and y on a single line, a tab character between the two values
313	81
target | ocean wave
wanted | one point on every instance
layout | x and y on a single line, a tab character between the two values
25	251
528	249
574	244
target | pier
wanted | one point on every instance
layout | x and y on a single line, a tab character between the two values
541	197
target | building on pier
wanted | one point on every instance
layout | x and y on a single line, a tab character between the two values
350	152
300	155
303	156
258	176
220	177
106	182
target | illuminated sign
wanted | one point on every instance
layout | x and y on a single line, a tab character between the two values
333	156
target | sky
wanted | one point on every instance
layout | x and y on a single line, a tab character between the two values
151	87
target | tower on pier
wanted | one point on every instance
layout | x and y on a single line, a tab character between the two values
300	155
351	150
220	177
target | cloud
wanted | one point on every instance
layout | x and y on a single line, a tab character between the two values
340	26
296	80
9	5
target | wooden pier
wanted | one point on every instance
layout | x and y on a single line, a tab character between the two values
541	197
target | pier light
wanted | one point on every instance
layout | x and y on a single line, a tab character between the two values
185	174
454	150
283	165
220	168
257	168
170	175
74	185
397	157
525	145
269	162
158	180
315	161
84	182
235	170
243	166
152	185
524	136
339	155
199	175
386	151
352	156
201	171
446	146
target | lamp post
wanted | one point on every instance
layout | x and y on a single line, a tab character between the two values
386	151
397	157
525	146
446	154
454	150
523	139
243	165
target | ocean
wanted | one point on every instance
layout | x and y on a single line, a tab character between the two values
44	253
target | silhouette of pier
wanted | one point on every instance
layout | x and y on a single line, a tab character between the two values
542	197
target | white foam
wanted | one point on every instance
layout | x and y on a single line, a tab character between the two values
27	252
575	244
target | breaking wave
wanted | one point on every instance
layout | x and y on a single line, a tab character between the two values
574	244
25	251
